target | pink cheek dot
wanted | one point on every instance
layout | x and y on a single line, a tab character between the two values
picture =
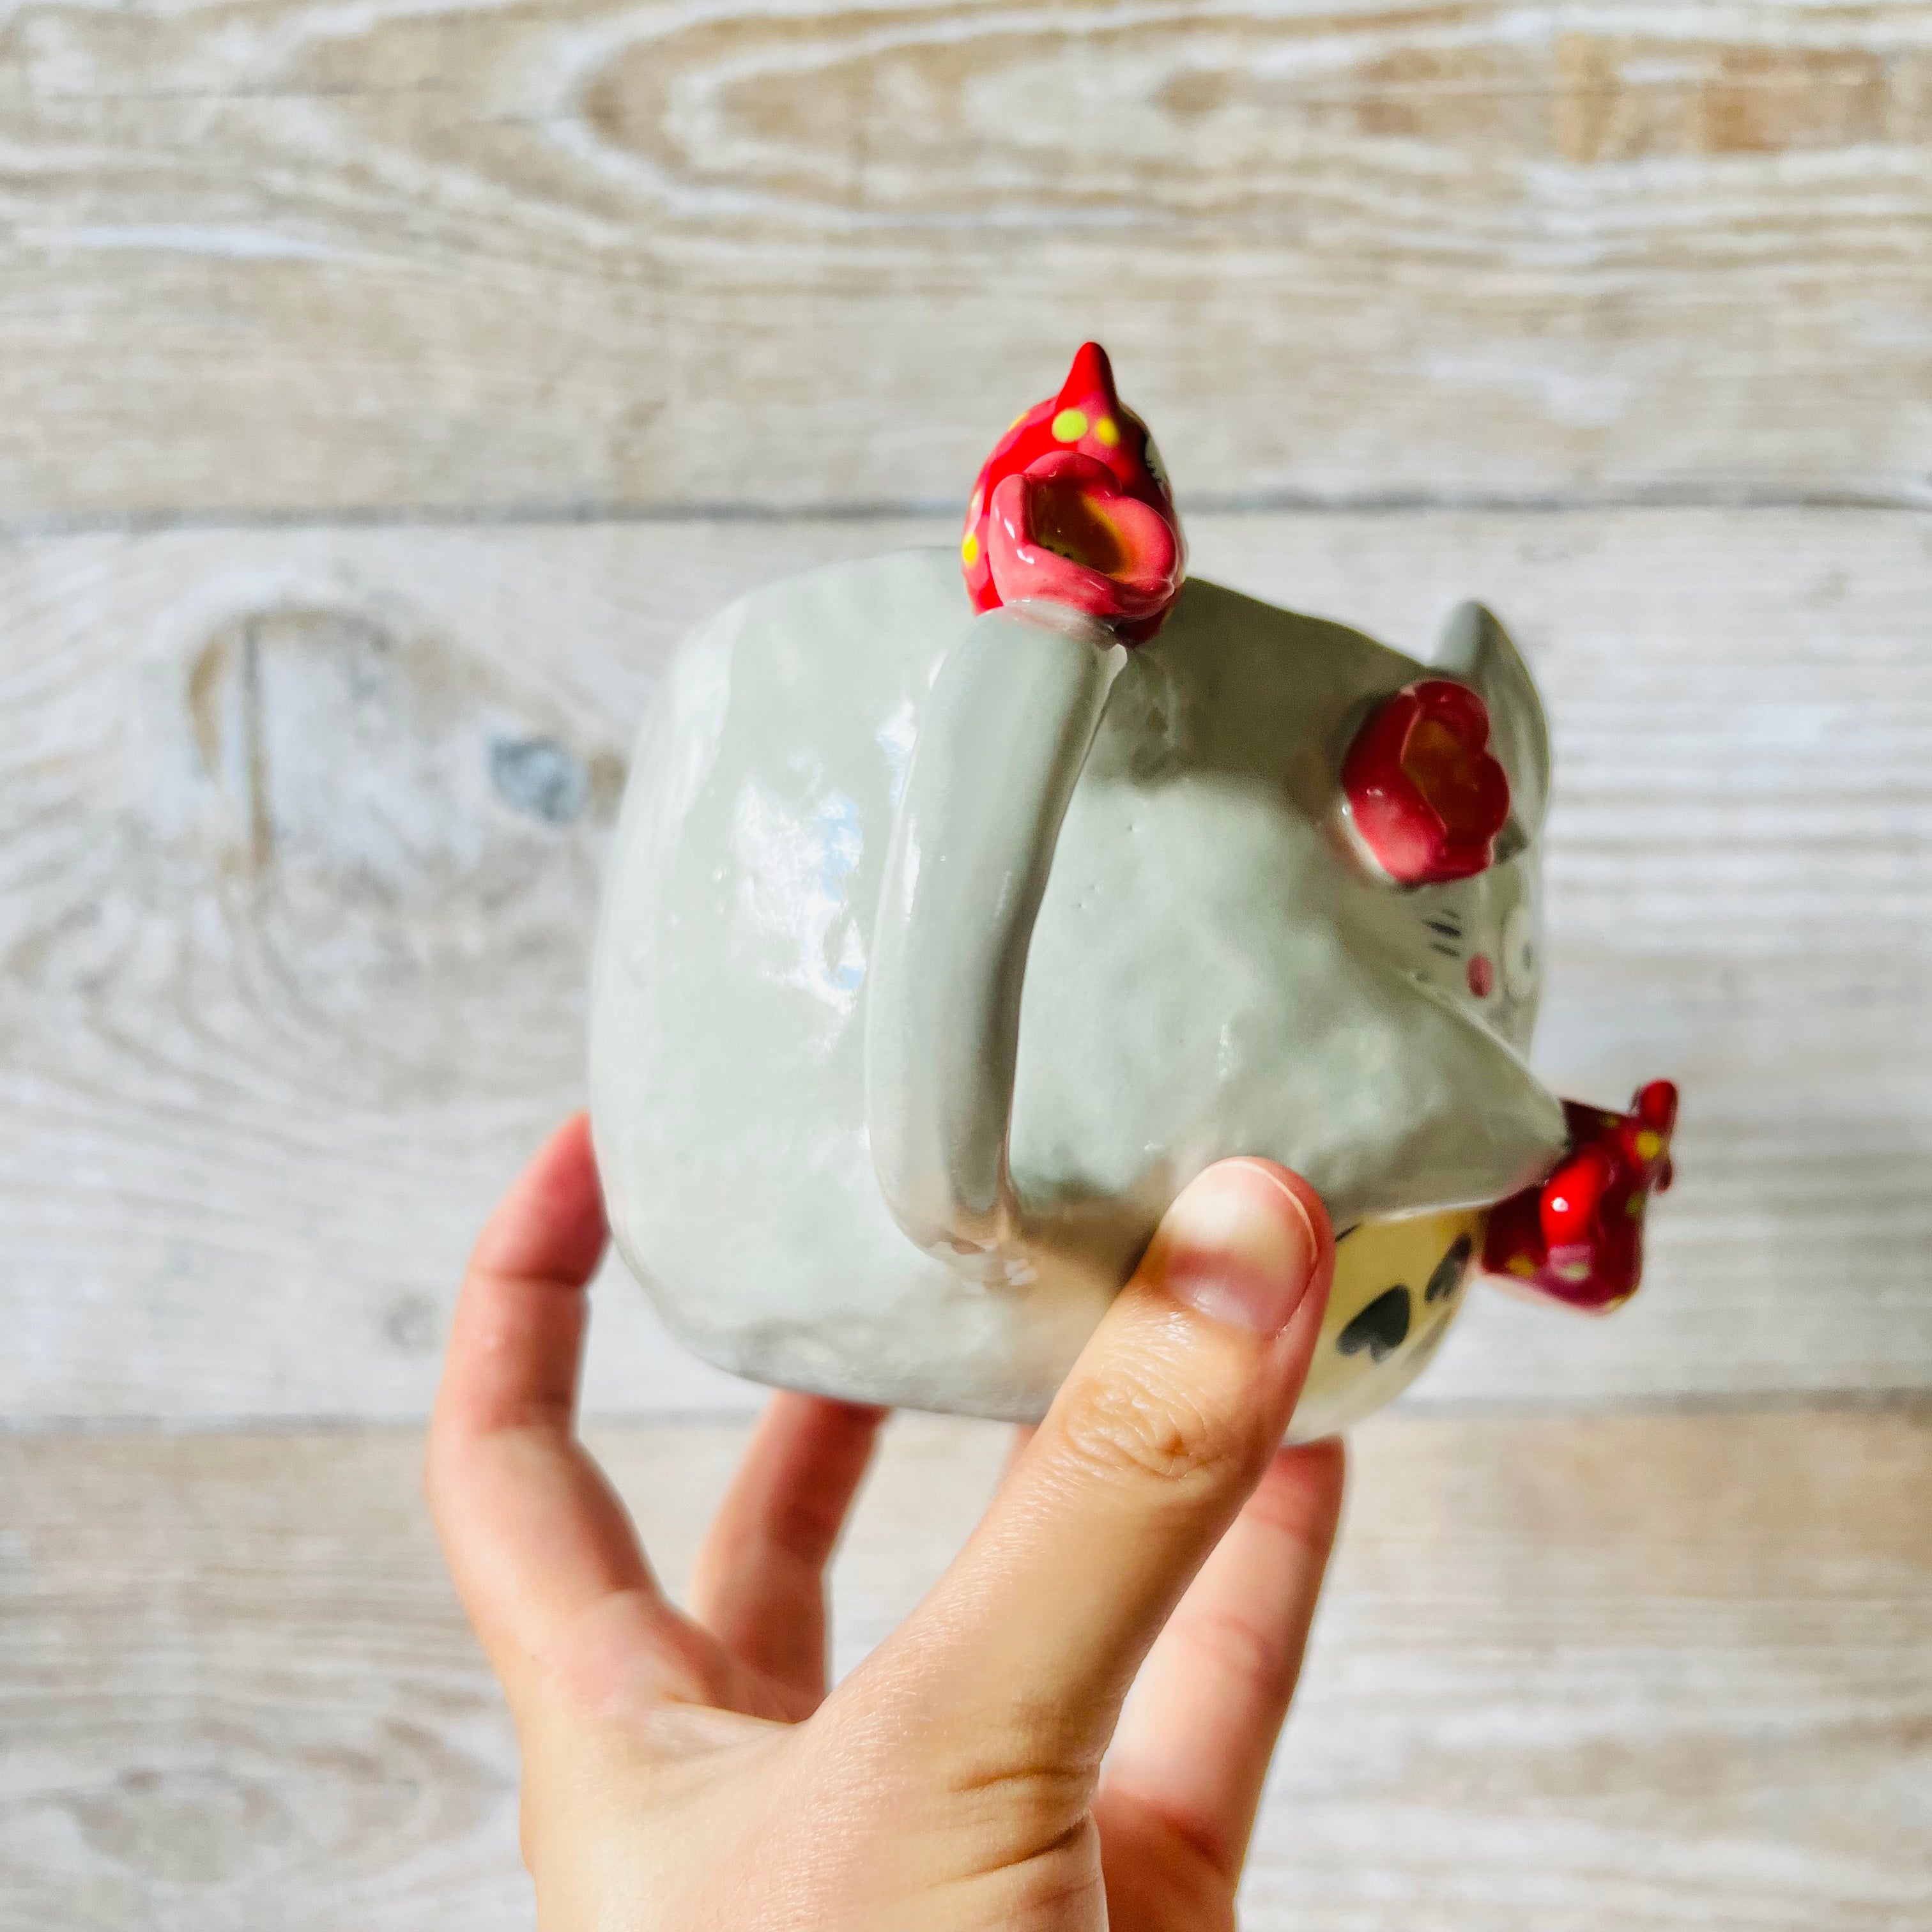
1482	975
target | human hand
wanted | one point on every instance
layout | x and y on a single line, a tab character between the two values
689	1772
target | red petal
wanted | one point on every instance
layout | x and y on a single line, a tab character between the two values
1423	791
1065	531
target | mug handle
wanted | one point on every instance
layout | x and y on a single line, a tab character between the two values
1002	737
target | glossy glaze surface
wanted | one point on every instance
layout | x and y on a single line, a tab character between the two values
1073	507
1212	972
971	853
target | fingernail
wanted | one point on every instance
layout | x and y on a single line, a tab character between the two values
1240	1247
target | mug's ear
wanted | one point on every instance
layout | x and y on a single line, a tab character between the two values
1475	648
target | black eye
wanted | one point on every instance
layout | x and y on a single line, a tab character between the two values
1448	1275
1382	1327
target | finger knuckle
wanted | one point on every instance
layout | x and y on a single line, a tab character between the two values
1039	1883
1149	1430
1000	1804
1013	1783
803	1529
1262	1661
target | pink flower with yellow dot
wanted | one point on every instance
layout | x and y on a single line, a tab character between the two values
1073	506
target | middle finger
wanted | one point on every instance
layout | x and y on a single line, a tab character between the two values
759	1583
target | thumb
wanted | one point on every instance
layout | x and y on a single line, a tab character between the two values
1168	1421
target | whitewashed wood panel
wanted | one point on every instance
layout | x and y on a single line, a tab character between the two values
1650	1674
299	840
290	255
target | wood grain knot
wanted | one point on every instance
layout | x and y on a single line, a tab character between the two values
198	1825
387	759
399	833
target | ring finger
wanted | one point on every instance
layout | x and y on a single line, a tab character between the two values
759	1583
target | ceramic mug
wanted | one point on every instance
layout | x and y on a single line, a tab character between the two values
942	949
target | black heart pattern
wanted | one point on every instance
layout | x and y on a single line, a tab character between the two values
1448	1276
1382	1327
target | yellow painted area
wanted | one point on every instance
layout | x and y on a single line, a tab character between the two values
1070	425
1107	430
1648	1145
1375	1257
969	550
1381	1255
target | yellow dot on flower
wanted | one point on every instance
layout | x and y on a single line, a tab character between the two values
1107	430
1069	426
969	550
1634	1206
1648	1146
1521	1264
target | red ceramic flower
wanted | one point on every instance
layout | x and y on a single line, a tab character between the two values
1063	528
1578	1237
1073	506
1424	793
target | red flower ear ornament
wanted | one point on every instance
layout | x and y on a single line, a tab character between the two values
1577	1238
1424	798
1073	506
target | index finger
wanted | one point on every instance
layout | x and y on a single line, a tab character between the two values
534	1534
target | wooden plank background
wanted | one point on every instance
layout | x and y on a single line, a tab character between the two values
239	1695
280	942
277	256
384	387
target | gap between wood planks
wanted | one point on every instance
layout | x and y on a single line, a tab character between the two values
1205	503
1912	1405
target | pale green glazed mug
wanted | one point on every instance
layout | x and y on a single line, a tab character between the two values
940	951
